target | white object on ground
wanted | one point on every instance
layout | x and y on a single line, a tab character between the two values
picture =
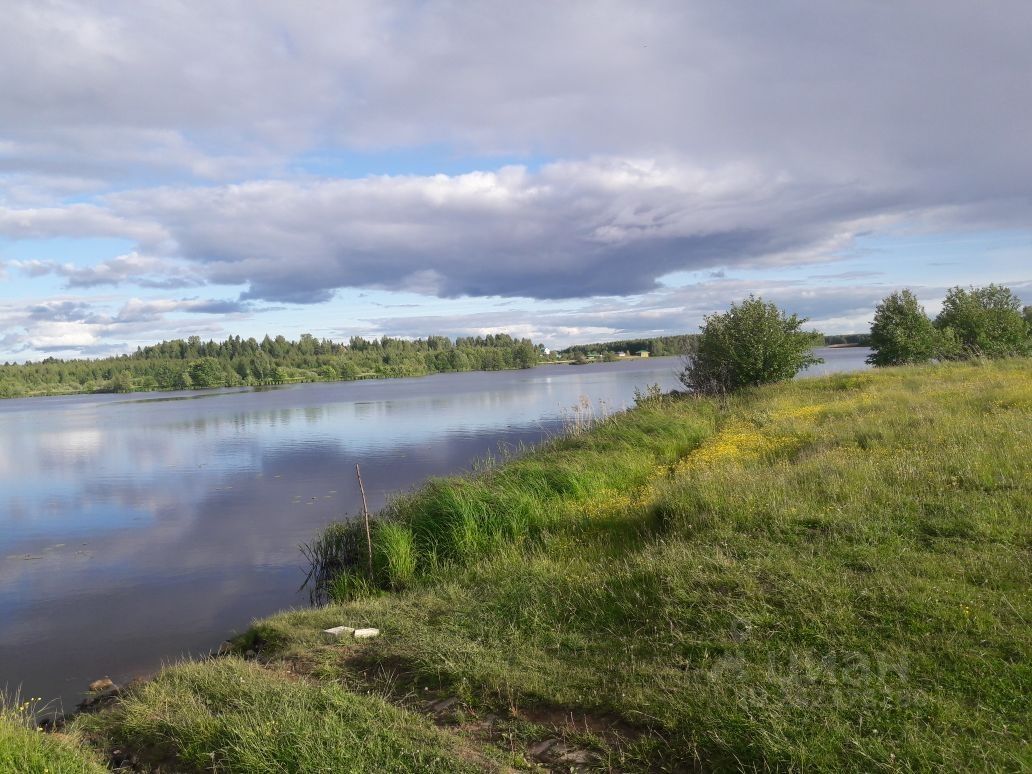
337	632
364	634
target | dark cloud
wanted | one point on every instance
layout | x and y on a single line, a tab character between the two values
597	227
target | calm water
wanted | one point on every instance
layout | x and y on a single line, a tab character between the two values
137	529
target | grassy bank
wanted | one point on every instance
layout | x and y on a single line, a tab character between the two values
829	574
26	750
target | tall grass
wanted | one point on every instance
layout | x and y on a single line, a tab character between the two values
455	521
25	749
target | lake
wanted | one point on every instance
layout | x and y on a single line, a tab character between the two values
136	529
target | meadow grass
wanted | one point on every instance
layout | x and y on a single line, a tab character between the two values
231	715
24	749
830	574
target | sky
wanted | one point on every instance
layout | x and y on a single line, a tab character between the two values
572	172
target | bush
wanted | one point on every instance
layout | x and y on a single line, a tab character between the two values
987	322
902	334
207	372
752	343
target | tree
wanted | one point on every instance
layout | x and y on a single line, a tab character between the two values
987	322
207	372
122	381
902	333
524	355
752	343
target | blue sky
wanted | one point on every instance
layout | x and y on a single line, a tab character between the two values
570	172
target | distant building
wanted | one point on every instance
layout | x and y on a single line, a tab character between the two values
643	353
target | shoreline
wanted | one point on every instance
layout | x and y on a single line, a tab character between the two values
552	643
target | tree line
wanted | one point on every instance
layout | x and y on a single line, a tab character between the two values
184	364
682	344
755	342
658	346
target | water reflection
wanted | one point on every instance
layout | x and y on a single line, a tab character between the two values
136	530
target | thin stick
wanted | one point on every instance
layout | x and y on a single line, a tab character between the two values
365	515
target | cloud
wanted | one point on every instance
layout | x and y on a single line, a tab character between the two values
61	311
91	327
603	226
657	138
132	268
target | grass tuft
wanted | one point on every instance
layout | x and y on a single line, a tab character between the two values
26	749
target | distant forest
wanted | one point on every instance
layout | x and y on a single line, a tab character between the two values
662	346
194	364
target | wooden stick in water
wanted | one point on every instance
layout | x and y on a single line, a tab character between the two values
365	515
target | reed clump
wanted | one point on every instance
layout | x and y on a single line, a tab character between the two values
456	521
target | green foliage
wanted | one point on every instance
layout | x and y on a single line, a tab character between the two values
987	322
193	364
123	382
753	343
854	339
902	333
658	346
206	372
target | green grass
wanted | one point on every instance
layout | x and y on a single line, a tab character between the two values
830	574
26	750
457	520
233	716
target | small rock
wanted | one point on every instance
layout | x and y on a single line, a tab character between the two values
558	750
337	632
224	649
365	634
541	748
444	704
250	654
582	757
103	684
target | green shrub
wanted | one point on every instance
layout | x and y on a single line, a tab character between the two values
901	333
752	343
987	322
